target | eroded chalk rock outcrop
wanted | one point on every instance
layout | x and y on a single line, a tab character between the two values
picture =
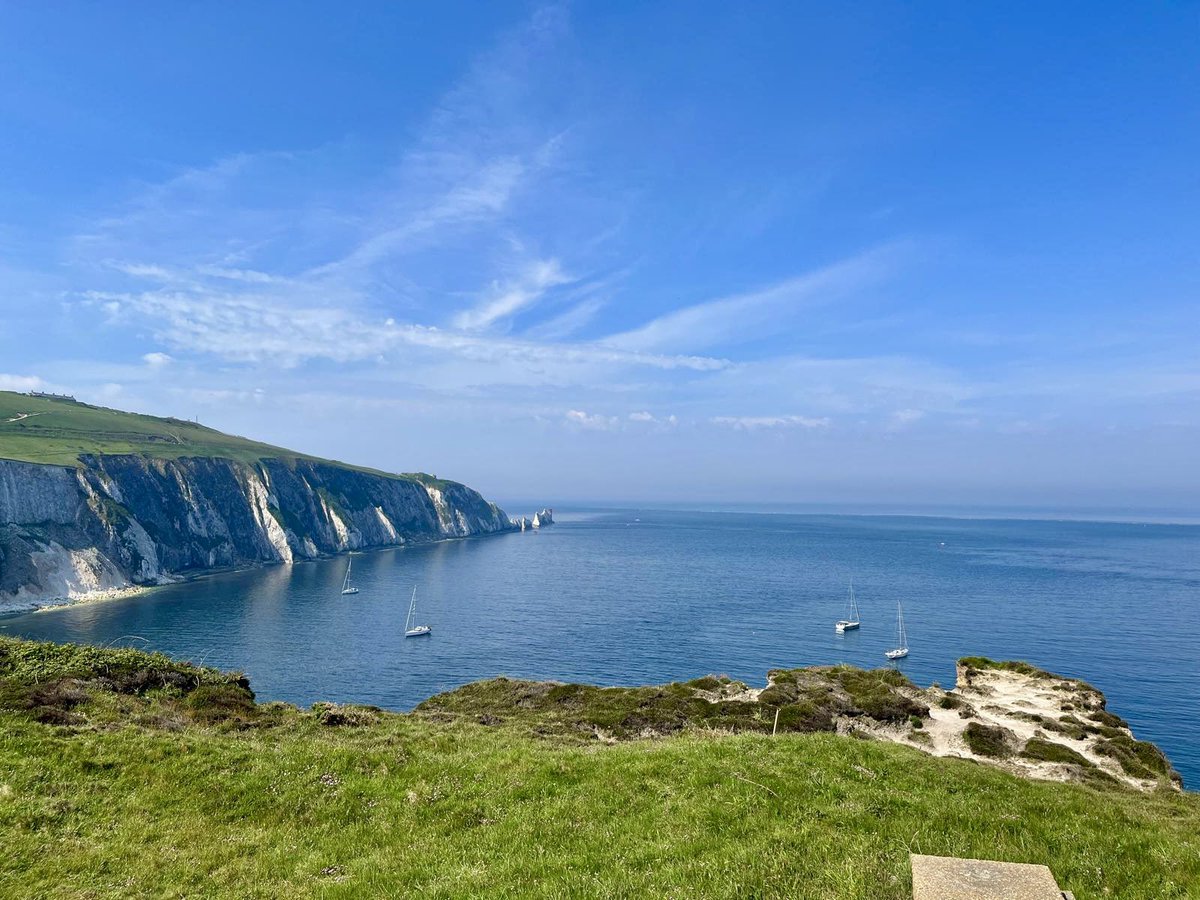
1035	723
1010	715
540	518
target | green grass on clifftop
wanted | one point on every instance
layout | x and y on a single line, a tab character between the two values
167	787
58	432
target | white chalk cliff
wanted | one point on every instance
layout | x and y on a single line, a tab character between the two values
115	521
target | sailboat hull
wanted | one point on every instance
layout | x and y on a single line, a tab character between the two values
419	631
350	591
843	627
897	654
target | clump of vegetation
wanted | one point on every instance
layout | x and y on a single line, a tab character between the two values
1076	728
64	684
1104	717
916	722
973	665
212	704
1048	751
978	663
1027	716
122	668
878	693
1068	725
333	715
950	701
1141	759
805	699
989	740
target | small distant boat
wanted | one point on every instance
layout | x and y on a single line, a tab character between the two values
346	588
411	630
901	650
852	621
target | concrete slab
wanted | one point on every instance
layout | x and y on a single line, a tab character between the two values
948	878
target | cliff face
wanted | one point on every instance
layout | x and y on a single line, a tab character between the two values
114	521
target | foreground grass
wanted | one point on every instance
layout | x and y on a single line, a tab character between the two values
404	807
125	774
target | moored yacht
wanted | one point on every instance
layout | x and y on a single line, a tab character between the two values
411	630
852	621
901	649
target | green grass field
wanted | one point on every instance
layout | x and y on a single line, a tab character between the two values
58	432
124	775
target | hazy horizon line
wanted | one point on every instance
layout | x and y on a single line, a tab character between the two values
978	512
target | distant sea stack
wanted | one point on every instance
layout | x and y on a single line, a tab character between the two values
540	518
111	520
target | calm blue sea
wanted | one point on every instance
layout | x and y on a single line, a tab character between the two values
637	596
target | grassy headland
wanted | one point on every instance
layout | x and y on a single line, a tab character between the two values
58	431
41	430
126	774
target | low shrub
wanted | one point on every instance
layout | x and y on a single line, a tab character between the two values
1104	717
332	715
1140	759
213	704
1048	751
988	740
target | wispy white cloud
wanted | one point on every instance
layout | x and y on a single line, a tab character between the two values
660	423
260	328
249	276
902	418
142	270
756	313
567	323
591	421
476	193
754	423
157	360
513	297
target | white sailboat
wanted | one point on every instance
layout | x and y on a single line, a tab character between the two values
411	630
901	650
346	589
841	626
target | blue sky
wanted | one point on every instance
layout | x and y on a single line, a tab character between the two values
930	253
